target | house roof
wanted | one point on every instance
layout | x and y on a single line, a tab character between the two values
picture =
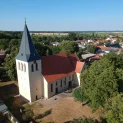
103	48
79	66
27	50
2	52
57	66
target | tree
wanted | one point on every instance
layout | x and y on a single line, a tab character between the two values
72	36
102	80
42	49
91	48
108	43
113	111
79	53
69	47
84	120
10	65
54	49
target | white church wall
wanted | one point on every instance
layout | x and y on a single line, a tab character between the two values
23	80
45	89
58	85
30	84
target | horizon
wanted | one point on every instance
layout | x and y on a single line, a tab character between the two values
62	15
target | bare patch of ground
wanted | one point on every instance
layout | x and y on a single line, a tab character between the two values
65	110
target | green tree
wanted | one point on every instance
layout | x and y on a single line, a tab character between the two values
91	48
108	43
54	49
69	47
10	65
42	49
113	111
102	80
84	120
72	36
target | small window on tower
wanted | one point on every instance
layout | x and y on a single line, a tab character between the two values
21	66
36	65
32	68
24	68
18	65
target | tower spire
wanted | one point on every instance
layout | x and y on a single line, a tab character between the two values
27	50
25	20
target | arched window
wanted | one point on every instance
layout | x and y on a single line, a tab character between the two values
21	66
36	65
24	68
32	68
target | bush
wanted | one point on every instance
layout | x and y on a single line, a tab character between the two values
77	94
84	120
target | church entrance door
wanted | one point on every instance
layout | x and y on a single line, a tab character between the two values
56	90
36	97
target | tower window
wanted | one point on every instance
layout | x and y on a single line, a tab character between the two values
32	68
36	65
21	66
18	65
24	68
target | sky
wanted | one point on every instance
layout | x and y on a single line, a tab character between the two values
61	15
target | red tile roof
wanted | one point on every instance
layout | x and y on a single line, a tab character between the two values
79	66
2	52
57	66
103	48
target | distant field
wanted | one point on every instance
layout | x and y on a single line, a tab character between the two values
58	34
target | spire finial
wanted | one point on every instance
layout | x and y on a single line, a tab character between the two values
25	20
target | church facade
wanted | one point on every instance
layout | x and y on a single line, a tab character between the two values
45	76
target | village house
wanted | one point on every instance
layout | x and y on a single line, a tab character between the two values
45	76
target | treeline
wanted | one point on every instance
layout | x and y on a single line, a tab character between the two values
7	37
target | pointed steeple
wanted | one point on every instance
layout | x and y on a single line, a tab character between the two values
27	50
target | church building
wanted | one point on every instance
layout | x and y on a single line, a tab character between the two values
45	76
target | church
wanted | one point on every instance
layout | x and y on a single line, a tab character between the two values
45	76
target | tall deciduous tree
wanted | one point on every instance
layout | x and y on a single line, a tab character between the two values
69	47
10	65
102	80
113	111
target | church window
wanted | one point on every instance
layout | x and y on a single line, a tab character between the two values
18	65
65	81
32	68
73	76
61	82
36	65
21	66
51	87
24	68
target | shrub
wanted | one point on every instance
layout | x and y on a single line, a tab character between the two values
77	94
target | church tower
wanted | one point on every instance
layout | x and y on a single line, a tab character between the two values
28	64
